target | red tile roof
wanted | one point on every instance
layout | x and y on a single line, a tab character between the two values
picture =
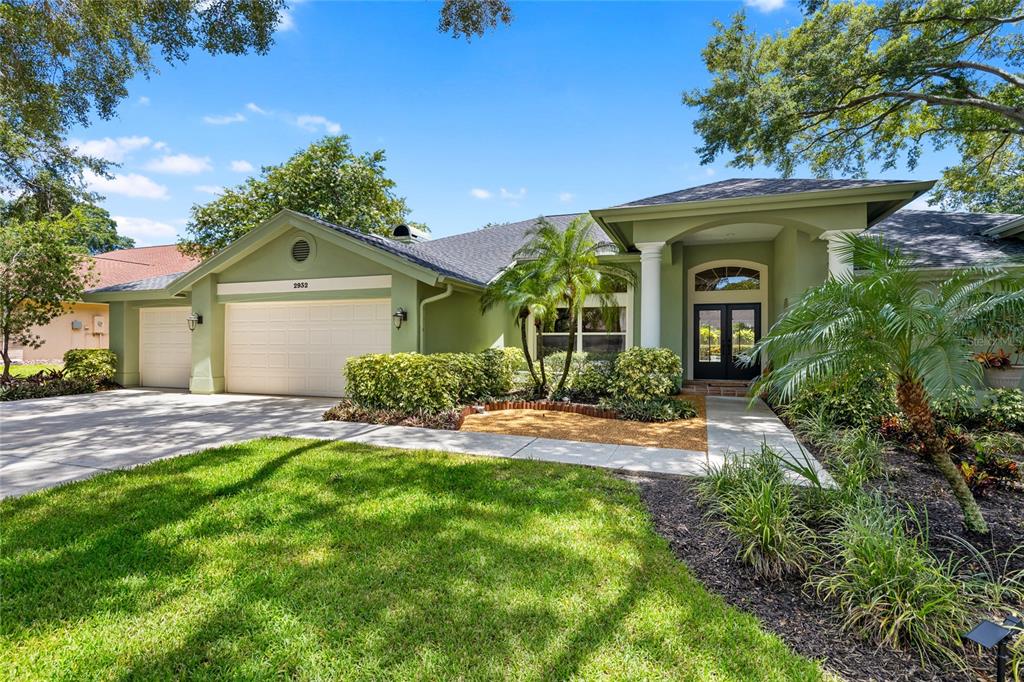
128	265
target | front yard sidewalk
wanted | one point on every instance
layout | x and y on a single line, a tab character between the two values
56	440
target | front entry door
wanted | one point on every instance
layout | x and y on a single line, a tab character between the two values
721	334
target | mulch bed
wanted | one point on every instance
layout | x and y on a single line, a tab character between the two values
805	624
686	434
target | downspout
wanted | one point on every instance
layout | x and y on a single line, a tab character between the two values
449	290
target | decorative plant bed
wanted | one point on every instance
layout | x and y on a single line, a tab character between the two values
549	405
1004	377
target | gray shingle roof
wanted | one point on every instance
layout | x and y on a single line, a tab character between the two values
936	239
735	188
409	252
148	284
484	253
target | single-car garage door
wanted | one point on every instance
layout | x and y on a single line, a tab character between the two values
165	347
301	348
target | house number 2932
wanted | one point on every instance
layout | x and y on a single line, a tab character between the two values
300	285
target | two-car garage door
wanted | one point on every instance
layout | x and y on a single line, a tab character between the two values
301	348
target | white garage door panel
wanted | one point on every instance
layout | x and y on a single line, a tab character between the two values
165	347
301	348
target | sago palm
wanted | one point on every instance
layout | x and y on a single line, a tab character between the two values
566	262
889	316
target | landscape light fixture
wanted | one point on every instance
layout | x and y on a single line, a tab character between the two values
989	635
399	316
194	319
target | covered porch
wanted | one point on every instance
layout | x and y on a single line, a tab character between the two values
717	269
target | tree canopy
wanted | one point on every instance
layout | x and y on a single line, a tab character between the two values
61	63
40	270
327	180
861	83
65	61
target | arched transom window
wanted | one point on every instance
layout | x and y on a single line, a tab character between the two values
728	278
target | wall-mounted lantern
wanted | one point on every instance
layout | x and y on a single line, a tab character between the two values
399	316
194	319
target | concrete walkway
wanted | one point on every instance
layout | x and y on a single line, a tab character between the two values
55	440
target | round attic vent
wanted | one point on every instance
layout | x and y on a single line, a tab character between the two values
300	250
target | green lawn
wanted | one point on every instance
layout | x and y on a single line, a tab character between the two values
296	558
29	370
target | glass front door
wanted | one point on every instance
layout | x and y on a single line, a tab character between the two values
722	333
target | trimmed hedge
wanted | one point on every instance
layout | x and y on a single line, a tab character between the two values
643	374
863	396
96	363
411	382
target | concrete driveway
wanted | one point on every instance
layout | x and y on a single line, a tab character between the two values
55	440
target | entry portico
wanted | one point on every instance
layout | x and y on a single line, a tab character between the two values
719	263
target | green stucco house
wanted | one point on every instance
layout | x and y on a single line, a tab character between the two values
280	310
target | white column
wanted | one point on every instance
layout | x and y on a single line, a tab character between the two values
839	264
650	293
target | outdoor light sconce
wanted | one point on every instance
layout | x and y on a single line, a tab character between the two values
989	635
399	316
194	319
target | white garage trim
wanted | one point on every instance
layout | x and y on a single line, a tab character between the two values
279	286
165	347
300	348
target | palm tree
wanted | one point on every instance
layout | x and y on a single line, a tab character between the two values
889	317
527	297
566	262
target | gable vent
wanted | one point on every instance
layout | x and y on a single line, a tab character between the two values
300	250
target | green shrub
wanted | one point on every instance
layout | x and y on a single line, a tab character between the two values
350	411
657	410
750	497
961	408
500	366
890	587
856	398
97	363
590	375
645	374
46	384
999	409
412	382
1003	410
408	382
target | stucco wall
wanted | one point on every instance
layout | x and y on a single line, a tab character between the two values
59	336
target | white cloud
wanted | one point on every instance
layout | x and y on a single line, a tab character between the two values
765	5
160	146
215	190
566	197
143	101
314	123
478	193
128	185
146	232
513	196
285	20
180	164
224	120
111	149
241	166
256	109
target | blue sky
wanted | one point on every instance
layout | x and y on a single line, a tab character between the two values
574	106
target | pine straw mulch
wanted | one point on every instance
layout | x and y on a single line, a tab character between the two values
685	434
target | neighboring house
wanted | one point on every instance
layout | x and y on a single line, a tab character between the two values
85	324
284	306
